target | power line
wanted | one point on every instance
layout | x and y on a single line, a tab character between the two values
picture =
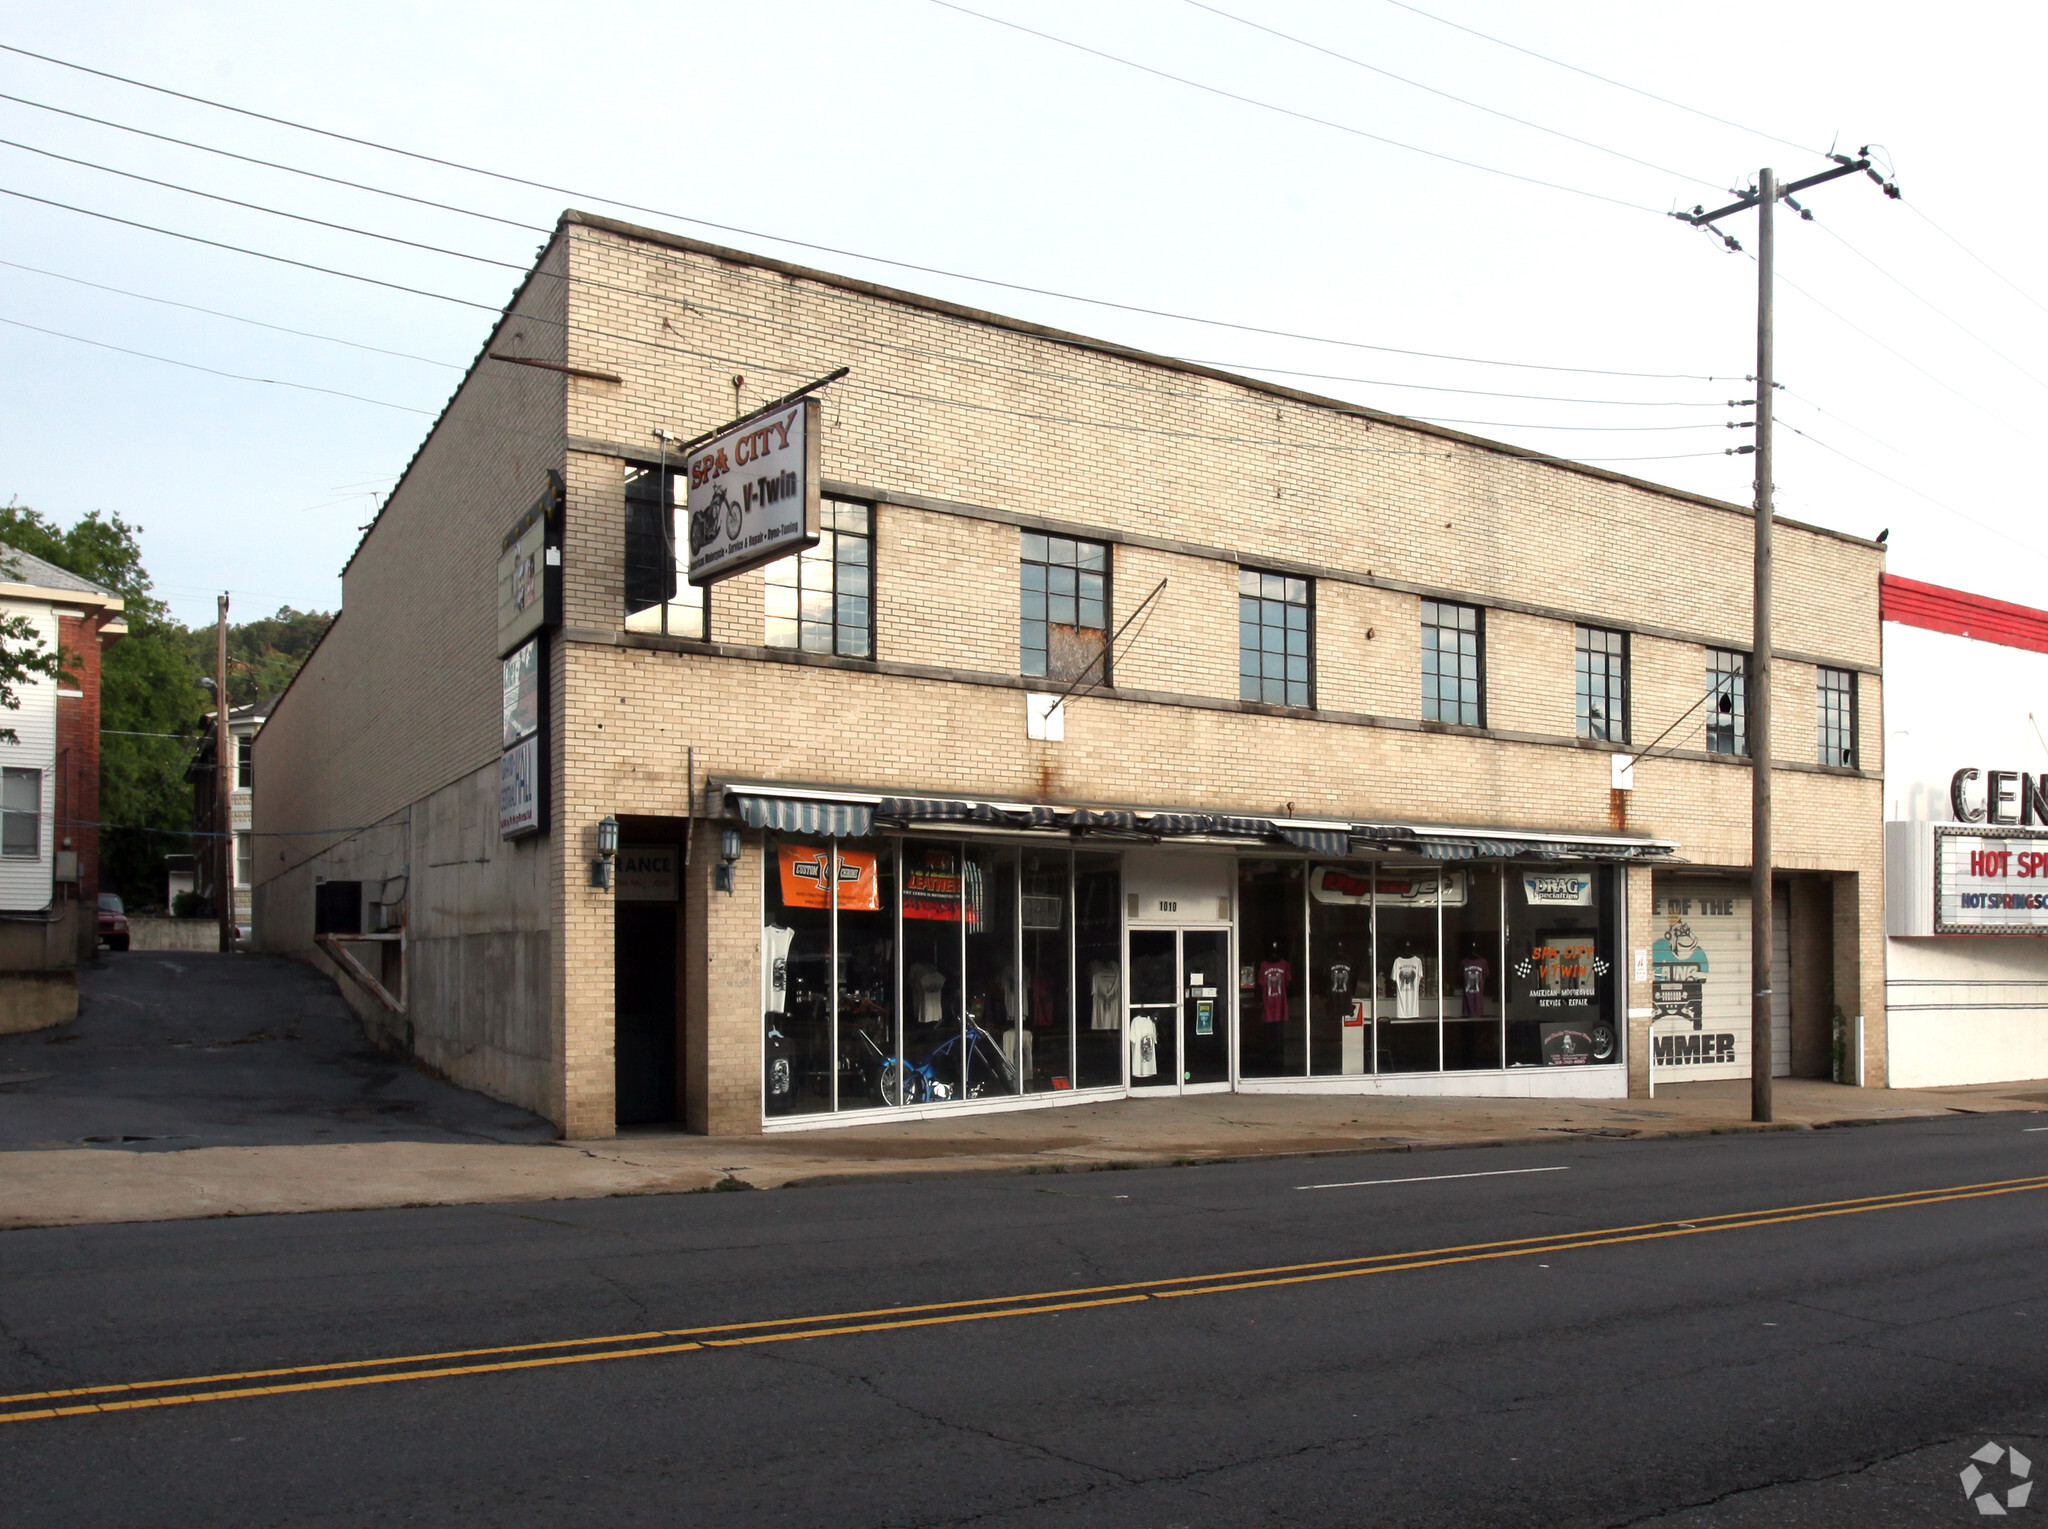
1952	239
238	249
275	382
1426	387
238	318
1259	26
1603	79
903	265
1288	111
1931	306
271	164
275	212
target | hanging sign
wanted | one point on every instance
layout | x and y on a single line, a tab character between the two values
931	884
1393	888
1558	889
754	492
806	878
519	789
530	569
522	691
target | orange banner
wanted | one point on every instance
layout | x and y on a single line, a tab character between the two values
806	874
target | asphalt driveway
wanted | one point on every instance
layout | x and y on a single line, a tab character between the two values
174	1050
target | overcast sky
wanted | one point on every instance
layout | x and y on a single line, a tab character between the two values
909	130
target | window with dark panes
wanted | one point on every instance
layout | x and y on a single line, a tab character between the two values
1727	701
1837	717
21	814
1274	647
1453	686
1600	683
658	597
245	763
822	599
1063	628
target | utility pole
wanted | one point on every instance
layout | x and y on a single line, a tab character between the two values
223	790
1765	199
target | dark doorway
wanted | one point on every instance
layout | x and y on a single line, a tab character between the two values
645	1007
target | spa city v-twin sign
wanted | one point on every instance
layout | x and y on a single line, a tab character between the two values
753	491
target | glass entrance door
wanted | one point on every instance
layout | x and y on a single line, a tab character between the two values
1179	1026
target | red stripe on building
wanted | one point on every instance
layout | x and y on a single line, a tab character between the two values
1911	603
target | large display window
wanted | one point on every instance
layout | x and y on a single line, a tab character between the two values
914	972
1426	968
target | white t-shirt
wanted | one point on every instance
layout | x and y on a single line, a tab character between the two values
1144	1047
1103	983
775	943
1407	974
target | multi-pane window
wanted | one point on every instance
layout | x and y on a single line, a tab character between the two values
245	860
658	598
1601	683
245	763
21	814
1453	685
1273	648
822	599
1838	717
1727	701
1063	631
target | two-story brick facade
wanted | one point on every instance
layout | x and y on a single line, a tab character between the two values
1338	810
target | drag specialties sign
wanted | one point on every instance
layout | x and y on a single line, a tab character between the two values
754	492
1558	889
519	789
1700	982
1990	883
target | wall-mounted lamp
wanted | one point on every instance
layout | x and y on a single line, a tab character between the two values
729	853
607	850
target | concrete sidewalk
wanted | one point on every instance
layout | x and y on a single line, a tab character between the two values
78	1187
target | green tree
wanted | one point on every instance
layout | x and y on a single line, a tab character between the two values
150	699
263	654
22	658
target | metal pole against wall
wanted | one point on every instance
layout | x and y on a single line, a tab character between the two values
1759	700
223	786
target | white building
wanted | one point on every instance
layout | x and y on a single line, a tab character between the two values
1966	836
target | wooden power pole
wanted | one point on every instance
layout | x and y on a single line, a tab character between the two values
223	789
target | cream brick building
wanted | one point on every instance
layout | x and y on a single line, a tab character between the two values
1330	886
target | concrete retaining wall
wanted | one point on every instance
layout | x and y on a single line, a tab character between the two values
37	1000
173	934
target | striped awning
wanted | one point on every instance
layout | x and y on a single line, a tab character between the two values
798	815
1318	841
1448	848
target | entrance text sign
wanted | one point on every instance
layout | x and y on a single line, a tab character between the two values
1990	883
648	873
753	492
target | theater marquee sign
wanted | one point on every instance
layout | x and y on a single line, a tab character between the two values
1987	883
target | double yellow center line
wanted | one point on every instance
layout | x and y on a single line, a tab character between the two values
131	1396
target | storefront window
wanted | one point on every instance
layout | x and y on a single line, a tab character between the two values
989	932
1340	979
1272	970
1046	913
1470	979
1408	985
1098	971
796	978
1561	957
867	972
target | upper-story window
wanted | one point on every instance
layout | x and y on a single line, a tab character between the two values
245	763
21	814
658	597
1837	717
1274	647
1063	627
822	599
1453	664
1727	701
1601	684
245	860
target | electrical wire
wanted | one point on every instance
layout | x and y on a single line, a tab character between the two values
1931	306
1603	79
271	164
275	212
276	382
903	265
1808	403
1288	111
237	318
1426	387
1952	239
1316	47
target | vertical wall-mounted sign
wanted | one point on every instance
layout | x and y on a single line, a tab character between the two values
529	605
754	491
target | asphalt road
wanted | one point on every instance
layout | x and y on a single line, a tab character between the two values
1836	1365
173	1050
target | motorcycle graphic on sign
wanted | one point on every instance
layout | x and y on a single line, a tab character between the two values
1678	970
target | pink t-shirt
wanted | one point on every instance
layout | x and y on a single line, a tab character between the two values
1274	977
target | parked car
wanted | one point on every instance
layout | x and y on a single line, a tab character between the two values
113	921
